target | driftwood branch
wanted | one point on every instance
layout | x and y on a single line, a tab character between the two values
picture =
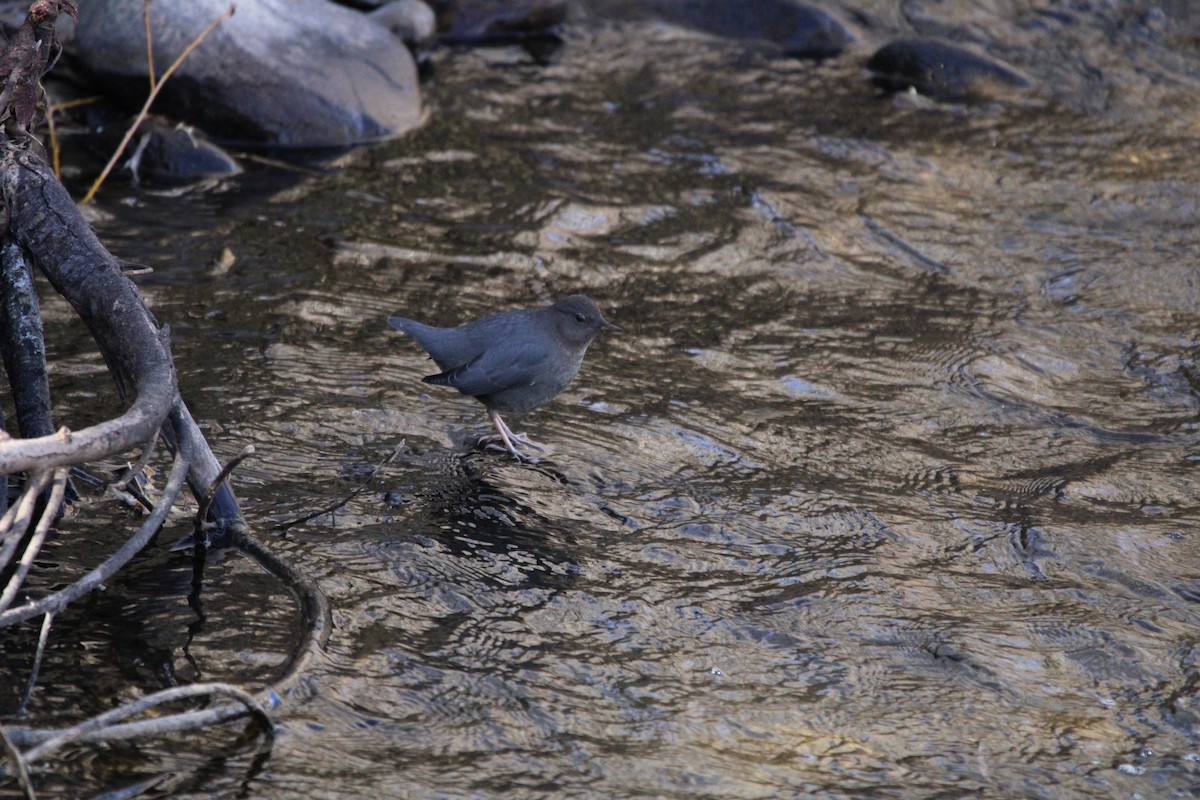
184	435
45	222
22	343
40	227
98	723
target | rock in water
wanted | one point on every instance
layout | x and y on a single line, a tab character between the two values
293	73
800	30
166	155
942	70
412	20
475	21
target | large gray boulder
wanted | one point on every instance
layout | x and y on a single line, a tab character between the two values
301	73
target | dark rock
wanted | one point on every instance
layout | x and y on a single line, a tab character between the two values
303	73
411	20
174	155
800	30
473	21
362	5
942	70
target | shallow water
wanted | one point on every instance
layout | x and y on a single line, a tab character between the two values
889	491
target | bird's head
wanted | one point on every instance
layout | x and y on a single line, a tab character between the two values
578	320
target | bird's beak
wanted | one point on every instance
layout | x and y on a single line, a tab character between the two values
611	325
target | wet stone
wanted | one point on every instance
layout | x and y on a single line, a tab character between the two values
297	73
943	71
173	155
469	21
413	21
801	31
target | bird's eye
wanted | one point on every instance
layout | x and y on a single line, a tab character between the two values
580	318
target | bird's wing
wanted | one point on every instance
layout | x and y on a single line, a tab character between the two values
490	373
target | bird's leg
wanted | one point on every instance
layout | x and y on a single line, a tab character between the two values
504	432
519	437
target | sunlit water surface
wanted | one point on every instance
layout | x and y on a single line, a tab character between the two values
888	491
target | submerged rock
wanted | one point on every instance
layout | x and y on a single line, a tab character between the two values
302	73
173	155
471	21
942	70
411	20
800	30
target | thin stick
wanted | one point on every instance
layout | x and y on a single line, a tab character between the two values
43	637
55	155
101	721
211	491
59	600
33	487
155	726
11	536
14	755
132	472
335	505
149	43
49	511
141	116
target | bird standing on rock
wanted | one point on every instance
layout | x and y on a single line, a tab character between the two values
514	360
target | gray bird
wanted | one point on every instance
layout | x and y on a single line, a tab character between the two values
512	361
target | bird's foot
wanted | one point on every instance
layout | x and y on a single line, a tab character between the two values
507	437
499	444
525	440
507	434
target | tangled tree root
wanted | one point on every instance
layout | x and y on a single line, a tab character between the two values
41	228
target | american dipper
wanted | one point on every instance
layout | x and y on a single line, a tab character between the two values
512	361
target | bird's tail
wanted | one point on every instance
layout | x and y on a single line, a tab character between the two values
440	343
404	325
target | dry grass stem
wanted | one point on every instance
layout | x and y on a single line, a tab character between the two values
141	116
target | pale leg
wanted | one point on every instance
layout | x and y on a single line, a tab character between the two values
519	437
506	435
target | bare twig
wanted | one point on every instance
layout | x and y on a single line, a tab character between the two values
35	542
51	110
318	621
43	637
16	520
14	755
184	435
213	487
154	90
59	600
149	44
335	505
91	729
135	469
156	726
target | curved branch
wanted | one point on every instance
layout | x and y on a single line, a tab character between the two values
95	727
318	620
183	434
45	222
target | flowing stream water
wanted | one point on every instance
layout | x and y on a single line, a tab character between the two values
890	489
